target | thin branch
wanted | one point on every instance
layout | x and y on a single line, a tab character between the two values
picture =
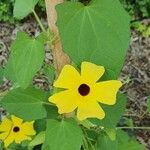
47	103
59	57
38	20
88	140
140	128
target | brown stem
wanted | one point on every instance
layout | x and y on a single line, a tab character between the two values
60	58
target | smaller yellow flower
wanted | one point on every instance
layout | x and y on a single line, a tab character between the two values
84	92
15	130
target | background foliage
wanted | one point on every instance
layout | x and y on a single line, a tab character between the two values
6	10
138	9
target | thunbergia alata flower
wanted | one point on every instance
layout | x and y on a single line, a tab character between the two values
15	130
82	91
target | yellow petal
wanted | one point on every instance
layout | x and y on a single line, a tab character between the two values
27	128
3	135
91	72
16	121
8	140
21	137
69	78
107	91
5	125
66	101
5	128
90	110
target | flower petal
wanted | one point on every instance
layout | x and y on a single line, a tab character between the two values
8	140
21	137
107	91
69	78
5	128
66	101
90	110
3	135
27	128
5	125
16	121
91	72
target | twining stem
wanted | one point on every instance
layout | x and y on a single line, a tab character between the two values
85	143
91	145
74	0
130	115
38	20
88	142
46	103
59	57
142	128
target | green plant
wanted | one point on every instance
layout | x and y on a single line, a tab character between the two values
138	9
41	5
96	36
6	9
143	29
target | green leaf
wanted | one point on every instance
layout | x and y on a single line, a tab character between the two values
42	37
52	112
92	135
111	133
108	75
25	143
64	135
40	125
1	74
26	104
113	113
9	72
122	142
39	139
105	143
45	37
49	71
26	59
131	145
148	103
1	145
125	142
23	7
45	147
98	32
126	121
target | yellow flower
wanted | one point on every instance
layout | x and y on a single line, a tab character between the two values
15	130
84	92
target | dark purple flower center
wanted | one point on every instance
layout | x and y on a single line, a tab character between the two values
84	89
16	129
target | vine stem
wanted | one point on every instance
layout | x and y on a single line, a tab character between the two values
130	115
142	128
88	142
46	103
85	143
38	20
59	57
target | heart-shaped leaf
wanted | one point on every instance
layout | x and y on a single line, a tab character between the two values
98	32
26	104
23	7
64	135
27	56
